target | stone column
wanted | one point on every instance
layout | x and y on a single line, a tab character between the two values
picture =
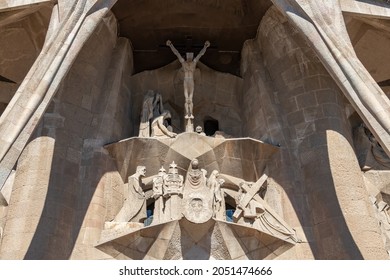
322	25
313	108
90	110
28	200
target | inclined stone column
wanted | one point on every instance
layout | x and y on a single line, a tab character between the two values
58	206
71	25
313	110
322	25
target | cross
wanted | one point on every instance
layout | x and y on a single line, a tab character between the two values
188	46
249	194
162	169
173	165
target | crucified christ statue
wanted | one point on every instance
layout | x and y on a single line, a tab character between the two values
189	67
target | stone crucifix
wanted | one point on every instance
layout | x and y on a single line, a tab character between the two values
189	66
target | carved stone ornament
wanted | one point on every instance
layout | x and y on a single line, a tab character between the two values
197	207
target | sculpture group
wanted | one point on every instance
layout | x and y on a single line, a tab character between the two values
153	120
199	198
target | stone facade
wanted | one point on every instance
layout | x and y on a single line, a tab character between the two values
291	155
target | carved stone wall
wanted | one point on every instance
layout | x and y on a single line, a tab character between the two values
67	205
67	187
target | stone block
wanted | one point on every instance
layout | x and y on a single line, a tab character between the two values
83	116
292	74
295	118
294	85
306	100
326	96
289	104
304	129
326	82
53	120
292	92
312	83
74	126
312	113
317	140
332	110
323	124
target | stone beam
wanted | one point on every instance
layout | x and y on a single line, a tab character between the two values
366	8
9	5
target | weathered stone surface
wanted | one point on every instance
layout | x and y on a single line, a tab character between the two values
7	5
179	240
300	87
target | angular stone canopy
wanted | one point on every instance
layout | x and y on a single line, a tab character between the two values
241	157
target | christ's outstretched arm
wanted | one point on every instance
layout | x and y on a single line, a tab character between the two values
202	52
174	50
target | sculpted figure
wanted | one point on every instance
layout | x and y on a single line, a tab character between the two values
152	107
134	206
383	210
198	197
158	127
158	185
199	130
253	209
214	184
189	67
196	177
376	149
173	192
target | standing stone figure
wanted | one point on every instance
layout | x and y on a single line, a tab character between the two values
214	184
158	185
189	67
134	206
196	177
152	107
173	193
